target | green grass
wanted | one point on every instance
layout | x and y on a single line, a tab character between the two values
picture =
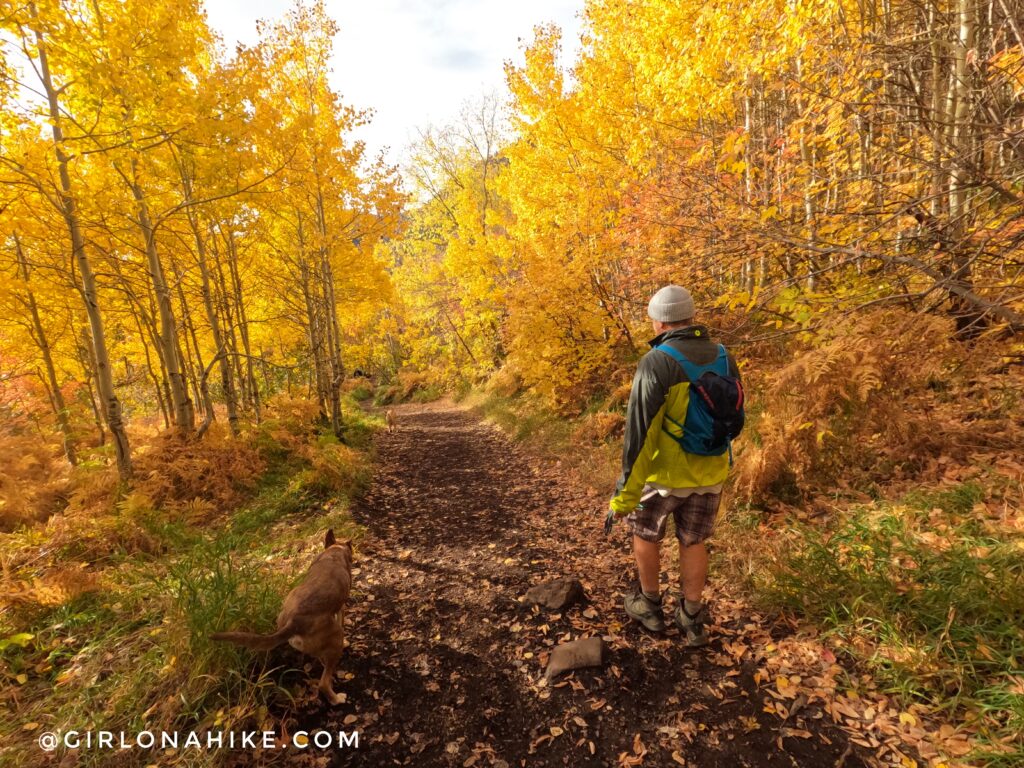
385	395
214	586
359	431
136	654
524	420
427	394
361	393
279	496
957	501
923	595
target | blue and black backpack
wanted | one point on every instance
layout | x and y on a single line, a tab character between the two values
714	416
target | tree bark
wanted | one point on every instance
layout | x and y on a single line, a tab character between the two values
962	144
104	377
60	407
227	381
181	402
195	367
231	337
243	326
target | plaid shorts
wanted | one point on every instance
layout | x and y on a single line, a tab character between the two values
694	516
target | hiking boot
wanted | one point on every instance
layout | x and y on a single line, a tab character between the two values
693	628
646	611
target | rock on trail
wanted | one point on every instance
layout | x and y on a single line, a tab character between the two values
446	666
555	594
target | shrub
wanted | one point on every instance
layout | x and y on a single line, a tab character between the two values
56	586
600	426
618	397
427	394
213	474
362	392
288	424
506	382
869	402
411	382
33	483
416	386
386	395
338	468
94	491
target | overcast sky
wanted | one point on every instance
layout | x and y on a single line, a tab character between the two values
415	62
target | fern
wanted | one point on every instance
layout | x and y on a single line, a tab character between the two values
861	404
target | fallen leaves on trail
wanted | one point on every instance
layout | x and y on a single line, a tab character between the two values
871	719
637	757
445	654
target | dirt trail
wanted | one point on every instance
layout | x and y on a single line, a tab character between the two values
444	665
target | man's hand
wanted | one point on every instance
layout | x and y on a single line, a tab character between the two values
611	518
609	521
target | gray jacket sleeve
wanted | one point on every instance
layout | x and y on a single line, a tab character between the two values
645	400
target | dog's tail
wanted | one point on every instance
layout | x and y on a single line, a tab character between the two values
257	642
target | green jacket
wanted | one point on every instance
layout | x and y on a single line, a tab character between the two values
650	454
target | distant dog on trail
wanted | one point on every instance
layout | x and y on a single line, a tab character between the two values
389	417
312	619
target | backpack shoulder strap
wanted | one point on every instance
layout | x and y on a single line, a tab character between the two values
678	356
723	361
692	371
672	352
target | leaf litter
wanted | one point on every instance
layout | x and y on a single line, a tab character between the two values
445	665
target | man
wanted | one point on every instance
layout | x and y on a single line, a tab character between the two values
659	478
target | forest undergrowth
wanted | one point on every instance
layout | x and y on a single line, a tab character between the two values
108	604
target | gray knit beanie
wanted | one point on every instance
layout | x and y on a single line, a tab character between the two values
671	304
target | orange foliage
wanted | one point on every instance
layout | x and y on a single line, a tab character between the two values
599	426
870	402
216	472
33	480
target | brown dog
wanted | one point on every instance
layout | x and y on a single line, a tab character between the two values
312	619
389	417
